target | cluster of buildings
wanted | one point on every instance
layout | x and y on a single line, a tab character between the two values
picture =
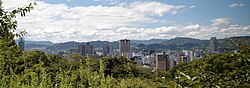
168	59
161	60
87	49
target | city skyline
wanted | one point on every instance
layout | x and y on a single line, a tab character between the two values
112	20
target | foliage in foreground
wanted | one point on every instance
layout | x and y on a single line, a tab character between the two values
36	69
218	70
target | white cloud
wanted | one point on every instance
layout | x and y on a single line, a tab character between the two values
233	5
236	5
156	8
220	21
205	32
192	27
192	6
61	23
191	30
58	22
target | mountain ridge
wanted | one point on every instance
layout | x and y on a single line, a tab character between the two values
177	43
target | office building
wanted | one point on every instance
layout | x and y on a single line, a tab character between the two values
85	49
173	57
213	44
162	62
124	46
149	61
21	44
107	49
191	55
125	49
183	58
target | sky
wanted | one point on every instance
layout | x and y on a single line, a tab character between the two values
111	20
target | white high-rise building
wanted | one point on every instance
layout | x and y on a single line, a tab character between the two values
213	44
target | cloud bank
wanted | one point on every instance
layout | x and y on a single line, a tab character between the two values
61	23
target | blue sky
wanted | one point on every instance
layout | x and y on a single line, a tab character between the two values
89	20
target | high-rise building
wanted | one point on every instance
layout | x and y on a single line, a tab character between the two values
162	62
125	49
124	46
107	49
85	49
173	57
149	61
21	44
183	57
213	44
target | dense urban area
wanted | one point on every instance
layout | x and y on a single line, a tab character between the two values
143	52
179	62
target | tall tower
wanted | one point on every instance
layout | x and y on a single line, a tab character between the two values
124	46
85	49
213	44
21	44
107	49
162	62
125	49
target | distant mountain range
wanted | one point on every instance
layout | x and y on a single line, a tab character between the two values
31	45
182	43
146	42
72	44
178	43
39	42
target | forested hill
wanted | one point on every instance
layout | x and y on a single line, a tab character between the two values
181	43
178	43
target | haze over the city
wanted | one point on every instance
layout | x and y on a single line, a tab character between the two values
111	20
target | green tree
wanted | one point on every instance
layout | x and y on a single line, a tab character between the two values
9	51
218	70
118	67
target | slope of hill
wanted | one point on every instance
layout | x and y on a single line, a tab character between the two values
67	45
183	41
63	46
179	43
146	42
48	43
31	45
